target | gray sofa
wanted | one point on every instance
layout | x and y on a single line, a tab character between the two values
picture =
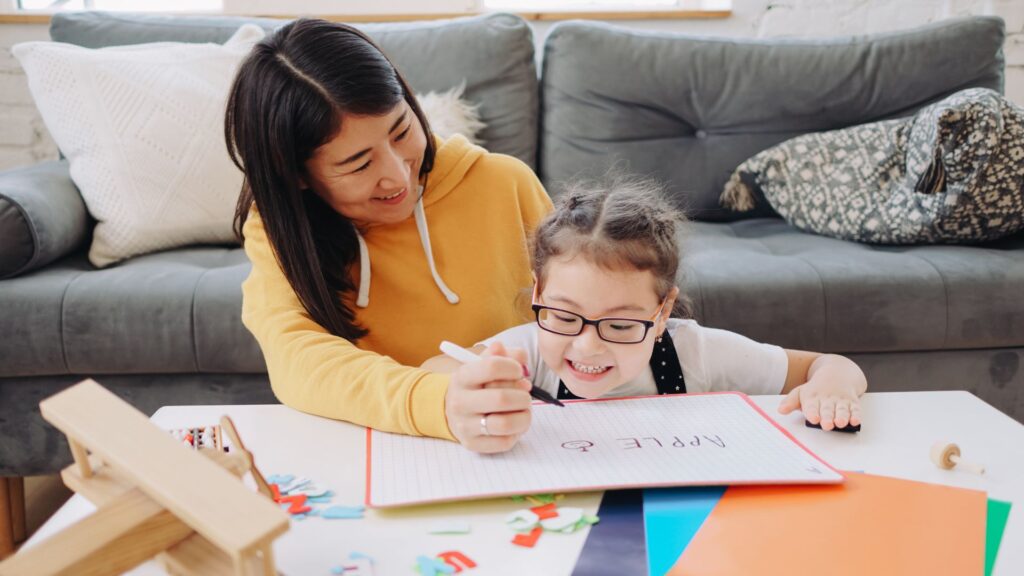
164	328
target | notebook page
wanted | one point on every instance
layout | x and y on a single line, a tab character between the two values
684	440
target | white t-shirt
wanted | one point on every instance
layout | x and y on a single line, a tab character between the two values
713	361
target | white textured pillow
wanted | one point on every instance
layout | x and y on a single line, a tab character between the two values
449	114
142	128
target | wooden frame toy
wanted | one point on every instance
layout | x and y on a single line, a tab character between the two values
154	498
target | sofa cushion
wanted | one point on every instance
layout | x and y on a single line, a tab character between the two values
42	217
689	109
952	173
769	281
492	53
172	312
179	311
142	127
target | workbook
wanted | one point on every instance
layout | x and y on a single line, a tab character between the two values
672	440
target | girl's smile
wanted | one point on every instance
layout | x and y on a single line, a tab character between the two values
588	371
587	374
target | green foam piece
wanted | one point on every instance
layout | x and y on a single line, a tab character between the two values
995	523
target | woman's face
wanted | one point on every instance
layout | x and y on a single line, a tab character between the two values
369	172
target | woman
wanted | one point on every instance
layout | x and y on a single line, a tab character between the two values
349	286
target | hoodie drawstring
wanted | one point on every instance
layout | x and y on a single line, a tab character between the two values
363	299
421	226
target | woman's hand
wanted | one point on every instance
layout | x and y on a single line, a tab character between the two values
488	401
831	395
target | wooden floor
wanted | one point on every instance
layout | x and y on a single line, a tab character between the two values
40	496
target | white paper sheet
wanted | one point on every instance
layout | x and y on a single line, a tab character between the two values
684	440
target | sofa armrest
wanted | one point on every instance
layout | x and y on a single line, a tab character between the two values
42	217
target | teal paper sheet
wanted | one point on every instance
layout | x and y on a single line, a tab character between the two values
672	516
998	513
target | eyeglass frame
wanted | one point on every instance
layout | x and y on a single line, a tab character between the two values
648	324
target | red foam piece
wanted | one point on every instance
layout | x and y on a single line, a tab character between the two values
528	540
297	503
456	560
546	511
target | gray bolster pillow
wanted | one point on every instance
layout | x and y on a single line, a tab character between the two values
42	217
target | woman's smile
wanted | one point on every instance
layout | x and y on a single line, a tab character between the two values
395	198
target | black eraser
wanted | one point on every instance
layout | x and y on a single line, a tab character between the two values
848	428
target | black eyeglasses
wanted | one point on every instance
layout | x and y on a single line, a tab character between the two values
615	330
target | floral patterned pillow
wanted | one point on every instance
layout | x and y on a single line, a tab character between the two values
954	173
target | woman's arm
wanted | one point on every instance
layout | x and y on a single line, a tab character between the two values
826	387
446	364
475	397
317	372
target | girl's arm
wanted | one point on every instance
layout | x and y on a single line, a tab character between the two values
825	387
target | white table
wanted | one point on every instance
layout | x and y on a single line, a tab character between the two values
898	432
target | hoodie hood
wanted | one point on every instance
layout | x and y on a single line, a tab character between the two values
454	157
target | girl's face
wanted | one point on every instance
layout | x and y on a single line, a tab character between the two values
369	172
588	365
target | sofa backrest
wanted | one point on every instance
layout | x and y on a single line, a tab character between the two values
493	54
689	109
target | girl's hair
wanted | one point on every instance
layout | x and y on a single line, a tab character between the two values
290	96
619	222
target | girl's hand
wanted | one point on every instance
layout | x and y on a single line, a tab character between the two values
488	401
829	402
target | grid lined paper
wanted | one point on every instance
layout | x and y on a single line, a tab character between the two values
685	440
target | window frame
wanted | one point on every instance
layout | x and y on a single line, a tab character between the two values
11	11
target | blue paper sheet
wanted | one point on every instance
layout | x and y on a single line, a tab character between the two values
672	516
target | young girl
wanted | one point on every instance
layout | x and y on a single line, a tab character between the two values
606	264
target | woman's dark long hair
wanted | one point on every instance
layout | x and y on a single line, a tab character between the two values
290	96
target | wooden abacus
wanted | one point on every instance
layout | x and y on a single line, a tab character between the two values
187	508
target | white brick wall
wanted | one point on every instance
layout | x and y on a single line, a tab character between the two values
23	137
24	140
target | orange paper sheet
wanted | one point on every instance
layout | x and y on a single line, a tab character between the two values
867	525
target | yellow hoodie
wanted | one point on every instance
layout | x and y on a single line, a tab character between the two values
480	208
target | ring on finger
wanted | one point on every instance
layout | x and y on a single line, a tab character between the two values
483	426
